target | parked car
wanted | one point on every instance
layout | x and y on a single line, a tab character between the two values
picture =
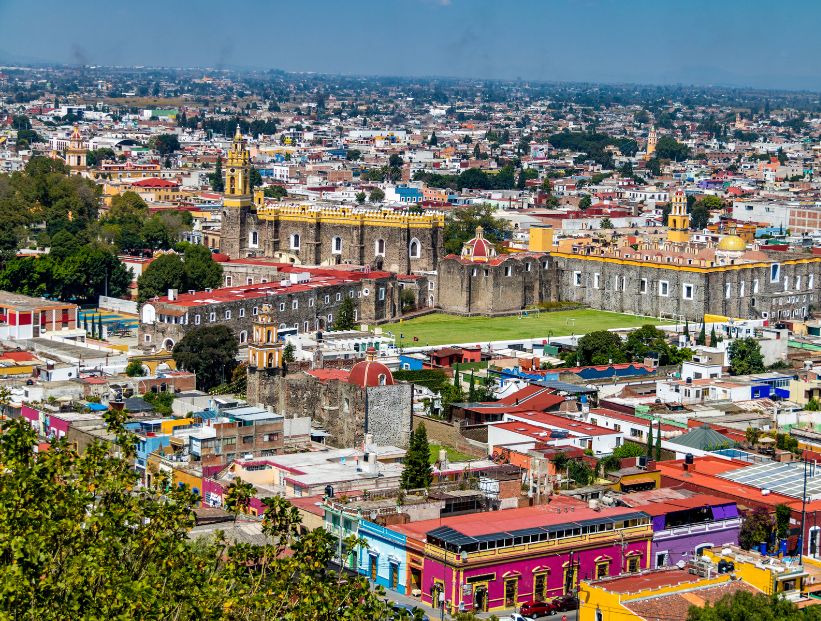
532	610
513	617
563	603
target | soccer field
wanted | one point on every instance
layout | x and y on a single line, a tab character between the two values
441	329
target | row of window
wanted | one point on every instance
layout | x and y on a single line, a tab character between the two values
508	269
295	243
687	289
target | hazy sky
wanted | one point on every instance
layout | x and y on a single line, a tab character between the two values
737	42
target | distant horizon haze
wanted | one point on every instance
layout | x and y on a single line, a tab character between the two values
732	43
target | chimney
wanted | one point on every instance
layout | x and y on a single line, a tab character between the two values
172	295
689	463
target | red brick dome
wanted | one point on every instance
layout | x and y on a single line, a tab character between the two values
370	372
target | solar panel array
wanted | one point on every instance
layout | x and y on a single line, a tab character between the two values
783	478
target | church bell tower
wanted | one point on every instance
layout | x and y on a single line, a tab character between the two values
678	222
237	200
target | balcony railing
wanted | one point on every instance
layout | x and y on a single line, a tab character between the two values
694	529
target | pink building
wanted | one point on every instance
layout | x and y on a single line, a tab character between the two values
502	559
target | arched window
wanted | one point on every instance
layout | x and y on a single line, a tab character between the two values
382	379
337	245
414	249
243	337
295	241
379	247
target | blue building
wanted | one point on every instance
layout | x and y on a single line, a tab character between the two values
384	560
412	362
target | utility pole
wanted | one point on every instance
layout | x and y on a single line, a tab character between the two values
803	513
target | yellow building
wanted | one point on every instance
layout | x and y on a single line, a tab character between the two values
668	593
678	222
652	141
76	152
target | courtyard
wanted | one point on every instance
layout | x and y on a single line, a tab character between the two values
442	329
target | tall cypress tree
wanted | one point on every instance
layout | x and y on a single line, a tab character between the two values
713	337
686	330
701	339
658	442
417	473
650	441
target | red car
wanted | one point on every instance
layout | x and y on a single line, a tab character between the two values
536	609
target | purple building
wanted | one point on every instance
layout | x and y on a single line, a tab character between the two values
501	559
683	526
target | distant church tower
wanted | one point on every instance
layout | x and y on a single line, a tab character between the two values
652	139
237	201
678	222
76	152
264	358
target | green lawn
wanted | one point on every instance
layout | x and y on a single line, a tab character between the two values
441	329
453	454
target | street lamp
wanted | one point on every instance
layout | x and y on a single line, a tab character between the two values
442	605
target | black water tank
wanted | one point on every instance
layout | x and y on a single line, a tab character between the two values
688	459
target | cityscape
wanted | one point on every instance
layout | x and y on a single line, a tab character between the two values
365	328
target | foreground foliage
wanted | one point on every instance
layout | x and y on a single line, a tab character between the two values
80	540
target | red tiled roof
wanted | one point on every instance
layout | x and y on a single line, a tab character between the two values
154	182
18	356
326	375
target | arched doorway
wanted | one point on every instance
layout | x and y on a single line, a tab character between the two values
168	344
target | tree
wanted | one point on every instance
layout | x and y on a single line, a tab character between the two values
813	405
658	442
433	141
782	521
345	315
112	542
714	340
360	197
407	300
606	223
461	223
417	473
752	607
201	271
275	191
95	157
600	347
752	435
376	196
668	148
216	178
699	216
649	451
701	339
288	352
254	178
165	144
686	331
237	498
163	273
756	527
745	357
521	182
654	166
353	155
208	351
135	369
585	202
